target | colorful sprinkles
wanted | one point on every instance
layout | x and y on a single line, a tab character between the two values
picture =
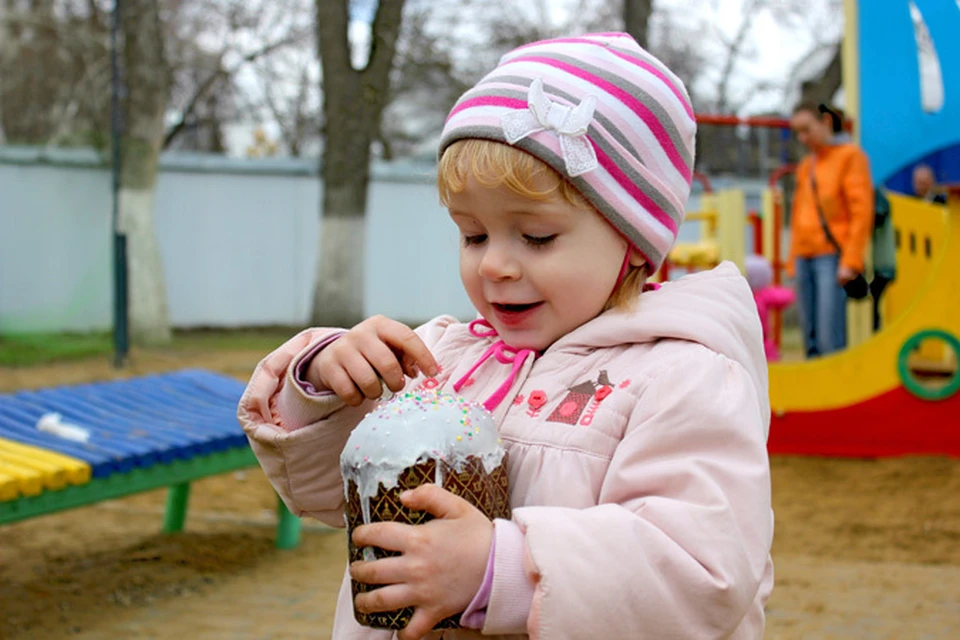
461	430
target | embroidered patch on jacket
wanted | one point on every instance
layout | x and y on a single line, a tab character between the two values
535	401
582	401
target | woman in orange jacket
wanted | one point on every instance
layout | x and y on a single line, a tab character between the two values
833	188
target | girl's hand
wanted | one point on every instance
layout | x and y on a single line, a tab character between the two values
376	349
442	565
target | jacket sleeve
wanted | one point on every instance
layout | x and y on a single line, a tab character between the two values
298	436
679	543
858	195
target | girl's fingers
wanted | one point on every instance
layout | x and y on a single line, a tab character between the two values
362	374
339	382
384	362
435	500
388	598
384	571
405	340
392	536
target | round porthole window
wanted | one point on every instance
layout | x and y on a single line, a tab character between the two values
929	364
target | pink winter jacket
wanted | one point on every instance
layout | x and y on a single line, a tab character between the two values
640	482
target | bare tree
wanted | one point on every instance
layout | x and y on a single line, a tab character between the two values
818	75
55	73
353	103
734	49
148	82
636	18
253	34
426	80
823	88
291	96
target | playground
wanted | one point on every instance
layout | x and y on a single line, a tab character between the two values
865	548
96	540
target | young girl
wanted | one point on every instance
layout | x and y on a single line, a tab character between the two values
635	417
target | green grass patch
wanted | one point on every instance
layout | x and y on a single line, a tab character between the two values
39	348
24	350
266	339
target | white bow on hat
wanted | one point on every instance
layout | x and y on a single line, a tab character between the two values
569	123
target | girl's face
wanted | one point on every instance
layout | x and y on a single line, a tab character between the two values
535	269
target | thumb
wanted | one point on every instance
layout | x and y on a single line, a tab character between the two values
433	499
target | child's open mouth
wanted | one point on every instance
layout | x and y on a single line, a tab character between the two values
512	314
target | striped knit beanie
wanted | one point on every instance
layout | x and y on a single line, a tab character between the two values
603	113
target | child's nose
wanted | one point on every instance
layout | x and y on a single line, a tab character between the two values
497	264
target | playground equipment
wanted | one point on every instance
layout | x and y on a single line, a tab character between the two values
867	401
143	434
722	218
871	400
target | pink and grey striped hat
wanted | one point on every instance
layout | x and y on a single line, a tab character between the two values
606	115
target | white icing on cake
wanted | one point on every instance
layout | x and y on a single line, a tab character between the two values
415	427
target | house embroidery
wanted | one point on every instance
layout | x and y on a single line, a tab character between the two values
582	401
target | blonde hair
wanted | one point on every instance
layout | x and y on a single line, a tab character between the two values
493	164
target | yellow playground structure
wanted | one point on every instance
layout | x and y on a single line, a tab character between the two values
866	400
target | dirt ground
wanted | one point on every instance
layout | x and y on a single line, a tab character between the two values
863	549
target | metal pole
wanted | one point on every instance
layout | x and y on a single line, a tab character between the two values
120	306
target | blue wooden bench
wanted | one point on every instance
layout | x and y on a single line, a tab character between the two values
145	433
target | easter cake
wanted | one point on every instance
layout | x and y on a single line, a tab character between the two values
413	439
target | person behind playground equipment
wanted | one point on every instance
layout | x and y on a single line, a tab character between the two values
635	417
883	239
925	185
831	222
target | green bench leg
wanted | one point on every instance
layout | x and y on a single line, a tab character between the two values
178	496
288	527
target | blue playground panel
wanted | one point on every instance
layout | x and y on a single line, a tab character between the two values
145	433
133	423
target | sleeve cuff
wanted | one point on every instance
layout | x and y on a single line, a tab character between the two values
512	591
302	362
298	403
476	614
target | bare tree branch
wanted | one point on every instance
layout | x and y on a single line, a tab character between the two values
383	45
735	48
222	74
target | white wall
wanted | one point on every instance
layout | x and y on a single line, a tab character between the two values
238	239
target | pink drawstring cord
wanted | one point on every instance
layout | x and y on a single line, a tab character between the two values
504	354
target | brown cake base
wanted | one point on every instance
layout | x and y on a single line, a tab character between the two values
489	493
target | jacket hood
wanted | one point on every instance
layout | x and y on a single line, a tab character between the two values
713	308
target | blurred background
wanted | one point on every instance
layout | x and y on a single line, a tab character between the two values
186	183
231	116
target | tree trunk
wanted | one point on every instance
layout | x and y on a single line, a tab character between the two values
338	299
352	103
636	19
822	89
148	92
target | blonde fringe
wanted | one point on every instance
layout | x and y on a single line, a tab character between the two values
493	164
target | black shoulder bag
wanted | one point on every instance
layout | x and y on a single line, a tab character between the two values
856	289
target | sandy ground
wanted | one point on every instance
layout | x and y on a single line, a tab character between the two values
863	549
